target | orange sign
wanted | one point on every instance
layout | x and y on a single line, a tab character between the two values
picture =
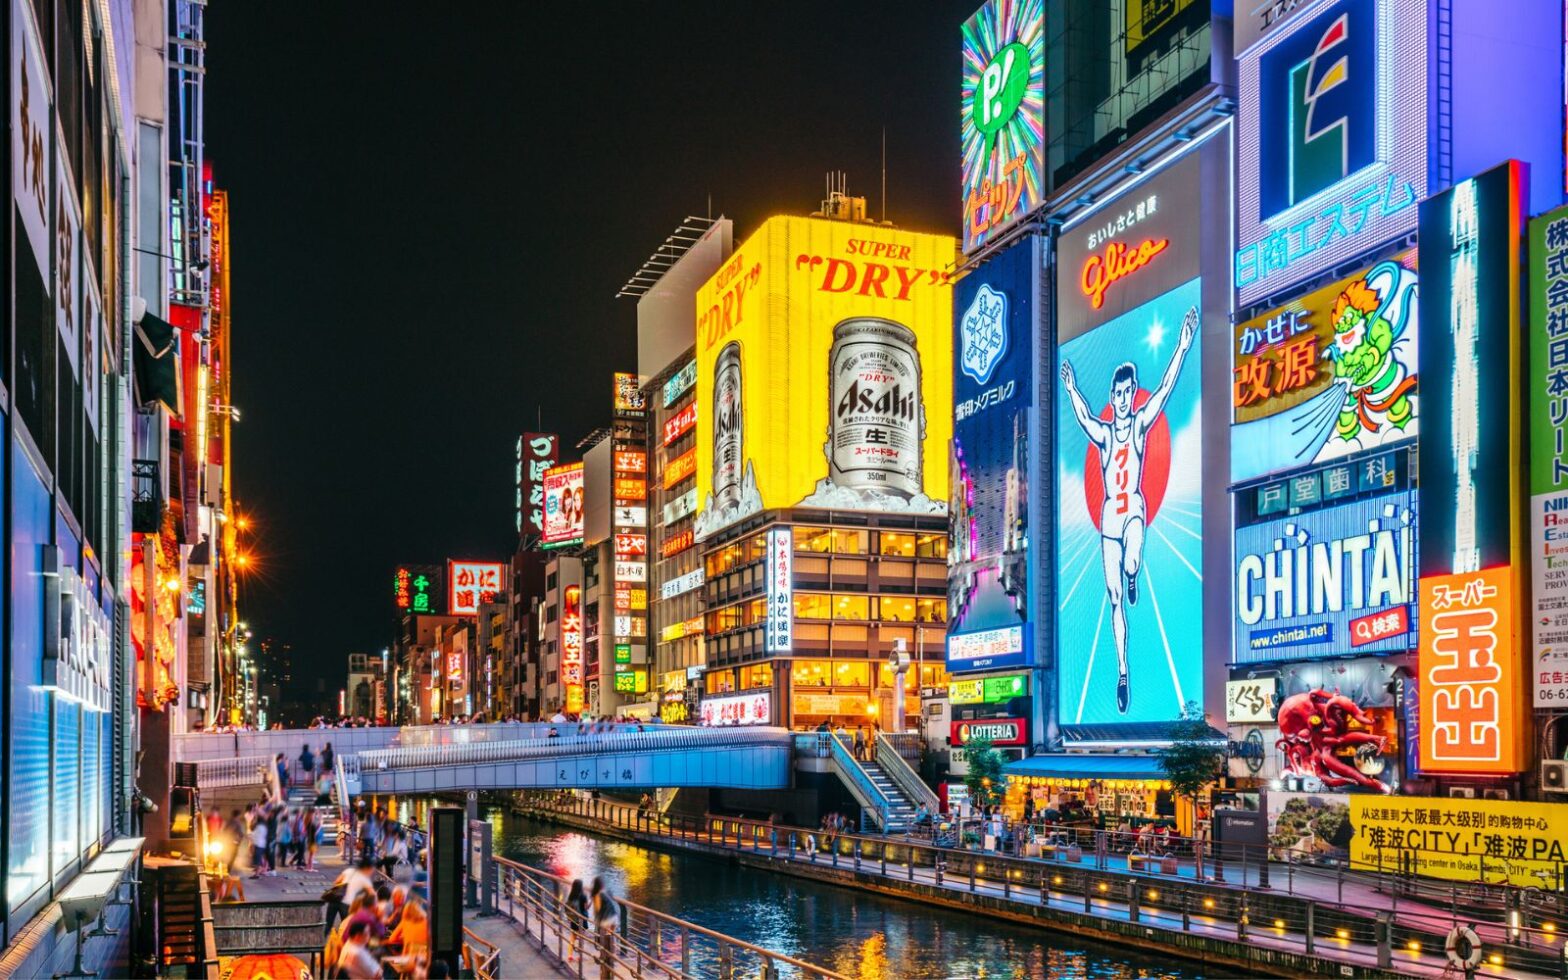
680	468
675	543
631	461
628	488
1118	262
1471	680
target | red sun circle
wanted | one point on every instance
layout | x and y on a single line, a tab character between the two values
1156	465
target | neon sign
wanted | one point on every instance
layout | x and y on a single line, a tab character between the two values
1119	262
572	646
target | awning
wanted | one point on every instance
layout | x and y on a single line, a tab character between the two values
1088	767
155	363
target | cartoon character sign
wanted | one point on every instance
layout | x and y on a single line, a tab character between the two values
1330	374
1140	516
1314	727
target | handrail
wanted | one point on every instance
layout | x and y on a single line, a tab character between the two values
867	792
903	776
646	933
248	770
488	957
1330	921
481	752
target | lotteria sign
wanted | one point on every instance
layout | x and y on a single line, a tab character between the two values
1001	731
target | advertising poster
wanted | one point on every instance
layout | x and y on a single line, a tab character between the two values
563	506
1472	717
1332	143
1002	116
1129	515
1455	839
1334	740
825	367
993	401
1329	374
1548	413
1332	580
1308	827
29	98
740	709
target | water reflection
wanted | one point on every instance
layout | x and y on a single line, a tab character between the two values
853	933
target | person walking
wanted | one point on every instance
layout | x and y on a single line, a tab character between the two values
576	911
606	923
327	758
860	743
307	764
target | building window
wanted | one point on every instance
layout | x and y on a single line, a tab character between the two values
719	681
827	540
896	543
755	676
931	546
851	673
810	673
893	609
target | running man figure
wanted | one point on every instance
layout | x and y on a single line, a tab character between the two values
1121	442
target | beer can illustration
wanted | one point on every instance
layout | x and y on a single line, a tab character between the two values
728	424
876	420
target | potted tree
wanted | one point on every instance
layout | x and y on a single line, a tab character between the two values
1193	761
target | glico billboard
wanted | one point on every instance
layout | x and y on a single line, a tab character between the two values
824	358
1002	121
997	309
1332	143
1331	374
1136	296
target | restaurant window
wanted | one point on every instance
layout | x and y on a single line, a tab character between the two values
723	619
719	681
851	673
933	675
755	676
813	605
897	544
885	677
856	608
810	673
756	612
930	610
896	610
931	546
825	540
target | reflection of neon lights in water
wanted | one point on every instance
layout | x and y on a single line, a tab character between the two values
1463	300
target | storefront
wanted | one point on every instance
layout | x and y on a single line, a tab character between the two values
1092	790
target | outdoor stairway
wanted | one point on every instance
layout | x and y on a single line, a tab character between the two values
179	919
900	808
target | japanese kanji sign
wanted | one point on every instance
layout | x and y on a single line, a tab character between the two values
471	582
536	452
1456	838
1332	373
1548	388
1472	716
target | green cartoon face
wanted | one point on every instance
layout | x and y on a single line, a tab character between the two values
1360	346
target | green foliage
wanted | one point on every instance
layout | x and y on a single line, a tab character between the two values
1192	761
986	783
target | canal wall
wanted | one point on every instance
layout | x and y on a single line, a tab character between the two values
1148	936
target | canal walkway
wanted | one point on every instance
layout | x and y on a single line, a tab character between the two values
1300	925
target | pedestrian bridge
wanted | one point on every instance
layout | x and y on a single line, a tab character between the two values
440	758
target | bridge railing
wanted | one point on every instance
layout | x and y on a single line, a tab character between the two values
891	758
250	770
642	942
419	757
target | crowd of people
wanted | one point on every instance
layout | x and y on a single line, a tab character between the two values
377	929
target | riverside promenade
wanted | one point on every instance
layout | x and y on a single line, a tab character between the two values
1298	924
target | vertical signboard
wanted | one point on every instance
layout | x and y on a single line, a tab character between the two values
536	453
1332	144
563	506
780	567
1472	672
1129	445
1548	412
572	646
29	98
993	401
1002	119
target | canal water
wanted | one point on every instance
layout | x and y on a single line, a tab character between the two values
850	932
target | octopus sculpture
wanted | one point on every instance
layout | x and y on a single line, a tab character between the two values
1315	724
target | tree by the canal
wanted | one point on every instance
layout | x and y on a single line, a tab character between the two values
1194	760
987	785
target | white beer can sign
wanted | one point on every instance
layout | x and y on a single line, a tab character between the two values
876	426
728	458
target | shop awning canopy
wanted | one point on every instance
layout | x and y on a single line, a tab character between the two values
1088	767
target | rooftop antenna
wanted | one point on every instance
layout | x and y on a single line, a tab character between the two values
884	175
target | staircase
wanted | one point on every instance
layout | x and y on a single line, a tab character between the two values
179	919
900	808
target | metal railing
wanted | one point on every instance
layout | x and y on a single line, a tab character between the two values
480	958
1331	913
416	757
861	787
640	942
248	770
891	759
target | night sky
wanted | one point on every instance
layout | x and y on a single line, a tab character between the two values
433	206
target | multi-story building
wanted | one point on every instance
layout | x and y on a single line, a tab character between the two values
666	291
562	638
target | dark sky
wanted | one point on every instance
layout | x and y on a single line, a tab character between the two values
434	205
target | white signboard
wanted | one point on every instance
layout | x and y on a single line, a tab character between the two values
742	709
630	517
631	571
681	584
781	590
683	506
1549	574
1252	701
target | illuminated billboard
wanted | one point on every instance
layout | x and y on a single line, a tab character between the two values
1329	374
1471	676
572	646
824	350
1332	146
997	313
1333	578
469	583
1548	413
1129	514
778	635
628	398
1002	117
536	453
415	588
563	506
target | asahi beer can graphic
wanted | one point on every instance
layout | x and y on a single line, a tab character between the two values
729	461
876	421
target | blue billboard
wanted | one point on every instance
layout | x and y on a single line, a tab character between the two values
1129	546
995	313
1332	580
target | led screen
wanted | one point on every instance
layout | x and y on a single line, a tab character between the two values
563	505
1002	122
